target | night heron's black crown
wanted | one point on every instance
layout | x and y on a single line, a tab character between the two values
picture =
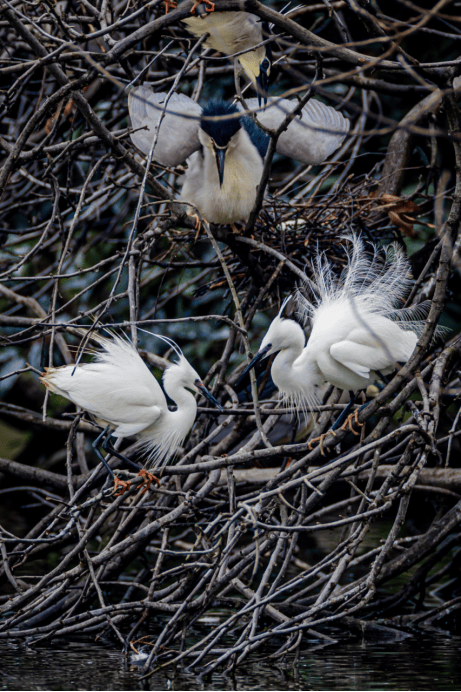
220	131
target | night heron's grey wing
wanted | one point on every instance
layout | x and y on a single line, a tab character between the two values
176	133
309	138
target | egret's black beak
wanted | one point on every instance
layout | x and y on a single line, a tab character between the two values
259	356
208	395
220	153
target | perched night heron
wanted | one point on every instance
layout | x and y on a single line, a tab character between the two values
234	32
226	150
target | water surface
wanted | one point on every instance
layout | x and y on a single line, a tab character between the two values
423	662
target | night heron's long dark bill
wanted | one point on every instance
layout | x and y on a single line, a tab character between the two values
262	82
208	395
220	153
259	356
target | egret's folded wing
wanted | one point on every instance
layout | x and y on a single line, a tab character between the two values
377	347
312	136
353	356
177	131
117	396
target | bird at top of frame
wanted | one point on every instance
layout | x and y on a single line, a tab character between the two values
225	149
234	32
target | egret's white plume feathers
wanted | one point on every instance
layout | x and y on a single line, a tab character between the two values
357	329
376	283
119	390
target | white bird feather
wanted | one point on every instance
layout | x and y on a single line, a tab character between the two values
310	138
176	132
181	134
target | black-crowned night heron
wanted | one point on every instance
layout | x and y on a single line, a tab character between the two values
226	155
233	32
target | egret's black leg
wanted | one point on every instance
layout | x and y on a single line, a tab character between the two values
110	449
344	414
383	378
148	477
103	440
95	445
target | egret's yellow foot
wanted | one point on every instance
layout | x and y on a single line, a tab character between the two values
148	479
198	225
122	485
353	418
321	438
208	3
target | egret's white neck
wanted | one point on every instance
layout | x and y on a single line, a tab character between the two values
183	418
170	430
282	367
295	377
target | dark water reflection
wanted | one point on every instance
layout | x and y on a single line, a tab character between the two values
427	662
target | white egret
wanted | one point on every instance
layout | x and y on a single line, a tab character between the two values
357	333
122	395
226	155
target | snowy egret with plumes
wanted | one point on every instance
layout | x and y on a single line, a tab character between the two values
225	150
121	394
357	336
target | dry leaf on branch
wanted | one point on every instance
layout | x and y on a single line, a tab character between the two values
399	210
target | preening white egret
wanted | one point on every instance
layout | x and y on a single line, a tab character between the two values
226	155
122	395
357	332
234	32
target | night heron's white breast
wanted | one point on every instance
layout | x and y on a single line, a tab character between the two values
242	174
